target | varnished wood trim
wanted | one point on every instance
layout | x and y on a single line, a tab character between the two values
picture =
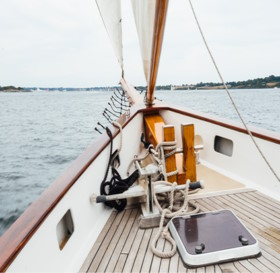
170	162
15	238
23	229
189	164
257	132
159	25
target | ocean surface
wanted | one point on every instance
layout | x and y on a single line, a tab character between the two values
41	133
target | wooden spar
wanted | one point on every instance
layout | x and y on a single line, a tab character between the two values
159	25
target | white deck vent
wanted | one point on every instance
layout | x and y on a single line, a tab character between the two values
64	229
223	145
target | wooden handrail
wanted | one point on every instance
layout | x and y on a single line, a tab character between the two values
159	25
17	236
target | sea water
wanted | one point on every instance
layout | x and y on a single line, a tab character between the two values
41	133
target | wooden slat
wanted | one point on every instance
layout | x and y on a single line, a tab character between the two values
241	268
173	266
266	201
210	269
182	268
142	251
153	128
98	242
217	269
146	266
134	255
134	250
131	237
189	164
156	260
259	203
106	242
121	262
256	209
115	256
112	246
228	267
164	265
170	162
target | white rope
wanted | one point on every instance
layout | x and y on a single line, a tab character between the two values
166	146
169	213
232	101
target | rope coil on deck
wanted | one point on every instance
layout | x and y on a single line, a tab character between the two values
170	212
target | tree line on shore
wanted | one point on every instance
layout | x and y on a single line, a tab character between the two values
267	82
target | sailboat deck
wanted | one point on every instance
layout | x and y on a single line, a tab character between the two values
123	247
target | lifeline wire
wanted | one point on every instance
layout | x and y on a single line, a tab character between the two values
232	101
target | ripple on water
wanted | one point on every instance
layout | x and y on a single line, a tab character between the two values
42	133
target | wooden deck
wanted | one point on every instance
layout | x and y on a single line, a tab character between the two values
123	247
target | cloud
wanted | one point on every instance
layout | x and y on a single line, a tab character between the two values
64	43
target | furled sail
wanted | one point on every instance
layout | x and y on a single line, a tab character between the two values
150	18
144	15
110	11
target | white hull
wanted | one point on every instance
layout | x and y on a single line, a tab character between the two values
245	165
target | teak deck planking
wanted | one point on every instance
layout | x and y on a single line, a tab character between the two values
123	247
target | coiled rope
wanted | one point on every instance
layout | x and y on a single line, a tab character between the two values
170	212
166	146
228	93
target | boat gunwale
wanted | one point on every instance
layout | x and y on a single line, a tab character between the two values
15	238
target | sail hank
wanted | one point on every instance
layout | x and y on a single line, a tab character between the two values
110	12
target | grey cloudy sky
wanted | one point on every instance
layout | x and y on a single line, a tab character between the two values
54	43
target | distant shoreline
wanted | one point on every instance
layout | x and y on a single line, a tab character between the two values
259	83
15	91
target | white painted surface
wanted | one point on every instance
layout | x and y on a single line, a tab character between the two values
42	253
245	165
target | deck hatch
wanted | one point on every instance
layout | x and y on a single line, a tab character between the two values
64	229
223	145
212	237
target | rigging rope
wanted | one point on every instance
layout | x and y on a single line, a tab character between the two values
116	184
228	93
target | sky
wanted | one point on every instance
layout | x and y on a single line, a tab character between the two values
63	43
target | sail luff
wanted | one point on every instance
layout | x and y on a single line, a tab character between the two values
144	14
158	33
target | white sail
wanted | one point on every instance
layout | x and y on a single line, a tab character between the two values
111	15
144	15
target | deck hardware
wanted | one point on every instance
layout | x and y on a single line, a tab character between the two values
199	249
64	229
244	241
223	145
209	238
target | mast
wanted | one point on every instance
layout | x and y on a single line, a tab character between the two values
159	25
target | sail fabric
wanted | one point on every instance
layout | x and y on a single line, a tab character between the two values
110	11
144	15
